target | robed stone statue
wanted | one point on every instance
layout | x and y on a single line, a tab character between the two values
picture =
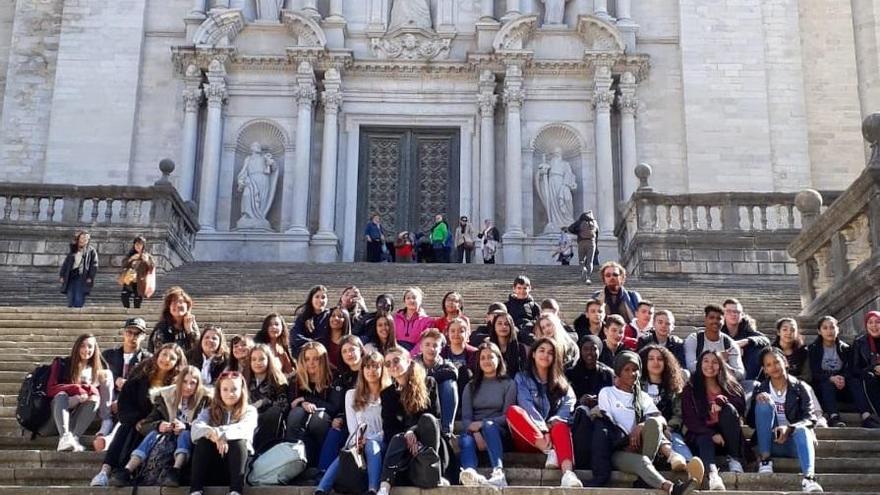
410	13
555	183
554	11
269	10
257	182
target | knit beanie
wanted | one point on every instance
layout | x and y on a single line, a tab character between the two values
624	358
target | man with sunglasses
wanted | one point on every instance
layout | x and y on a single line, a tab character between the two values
617	299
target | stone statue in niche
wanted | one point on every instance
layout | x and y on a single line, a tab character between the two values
410	13
257	182
555	182
554	11
269	10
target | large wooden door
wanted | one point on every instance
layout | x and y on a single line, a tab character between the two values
407	176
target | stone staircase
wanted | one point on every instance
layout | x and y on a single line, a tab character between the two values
34	327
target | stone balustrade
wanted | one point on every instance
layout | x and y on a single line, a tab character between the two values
838	249
707	234
37	222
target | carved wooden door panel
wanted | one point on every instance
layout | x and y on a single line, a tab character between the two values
407	176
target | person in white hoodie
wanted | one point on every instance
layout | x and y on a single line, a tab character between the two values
223	436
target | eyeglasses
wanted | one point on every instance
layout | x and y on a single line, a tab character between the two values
229	374
392	362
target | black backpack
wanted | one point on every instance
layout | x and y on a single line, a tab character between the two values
34	405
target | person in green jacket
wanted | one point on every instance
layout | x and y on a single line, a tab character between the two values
439	236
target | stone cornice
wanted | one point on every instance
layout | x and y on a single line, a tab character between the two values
201	57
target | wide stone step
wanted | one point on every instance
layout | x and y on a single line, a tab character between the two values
302	490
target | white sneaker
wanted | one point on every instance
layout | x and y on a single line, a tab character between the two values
734	466
765	467
497	480
470	477
197	492
552	462
382	491
716	484
810	485
100	479
570	480
66	442
77	447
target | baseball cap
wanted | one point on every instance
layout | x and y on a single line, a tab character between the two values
137	322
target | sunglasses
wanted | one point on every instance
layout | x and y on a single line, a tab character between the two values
392	362
229	374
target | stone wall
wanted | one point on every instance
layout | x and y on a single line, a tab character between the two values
30	82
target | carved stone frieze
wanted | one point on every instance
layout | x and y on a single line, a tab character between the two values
857	237
220	28
304	30
516	34
412	43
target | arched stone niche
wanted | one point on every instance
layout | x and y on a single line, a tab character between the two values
274	141
550	138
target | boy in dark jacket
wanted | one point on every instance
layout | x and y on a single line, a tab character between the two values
750	341
520	304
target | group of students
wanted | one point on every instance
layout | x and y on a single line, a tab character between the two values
629	393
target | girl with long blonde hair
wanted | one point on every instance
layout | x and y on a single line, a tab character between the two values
315	402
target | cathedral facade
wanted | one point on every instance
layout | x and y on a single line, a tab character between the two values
292	122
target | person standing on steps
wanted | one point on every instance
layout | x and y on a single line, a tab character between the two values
138	277
77	275
374	233
439	236
465	241
491	240
587	231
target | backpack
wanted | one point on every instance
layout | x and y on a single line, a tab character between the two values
160	460
278	465
701	341
34	405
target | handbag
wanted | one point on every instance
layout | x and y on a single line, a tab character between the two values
425	468
127	277
352	465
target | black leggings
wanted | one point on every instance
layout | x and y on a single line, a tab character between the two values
131	296
731	431
209	468
310	428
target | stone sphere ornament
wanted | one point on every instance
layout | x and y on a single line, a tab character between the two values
643	172
808	202
166	166
871	128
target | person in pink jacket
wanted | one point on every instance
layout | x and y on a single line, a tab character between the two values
412	320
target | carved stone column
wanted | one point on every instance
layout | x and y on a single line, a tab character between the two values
215	93
324	241
514	96
487	100
192	99
305	100
603	96
487	10
628	104
377	15
310	9
512	11
600	8
198	9
624	11
445	18
336	11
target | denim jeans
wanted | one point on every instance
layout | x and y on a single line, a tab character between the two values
448	392
680	447
800	443
330	448
76	291
184	444
373	450
492	435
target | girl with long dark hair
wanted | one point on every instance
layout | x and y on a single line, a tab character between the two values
484	404
663	380
212	354
77	275
503	333
830	363
311	323
274	333
177	323
545	401
268	391
713	406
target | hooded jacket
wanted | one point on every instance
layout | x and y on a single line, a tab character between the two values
164	408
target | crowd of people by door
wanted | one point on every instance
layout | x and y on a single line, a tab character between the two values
440	243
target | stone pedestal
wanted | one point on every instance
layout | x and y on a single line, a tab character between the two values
252	246
513	249
486	31
324	247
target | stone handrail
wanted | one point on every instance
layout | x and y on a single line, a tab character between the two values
39	219
838	251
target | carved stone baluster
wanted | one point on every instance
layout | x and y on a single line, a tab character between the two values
668	217
7	208
50	211
824	273
763	210
857	242
108	211
22	208
35	209
96	203
789	210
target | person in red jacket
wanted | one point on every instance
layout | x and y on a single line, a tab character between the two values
79	386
